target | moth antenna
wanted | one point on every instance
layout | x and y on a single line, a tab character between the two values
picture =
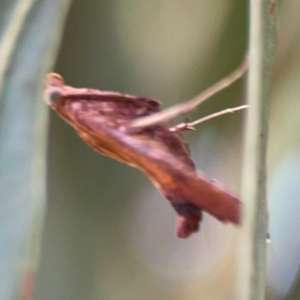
188	106
190	126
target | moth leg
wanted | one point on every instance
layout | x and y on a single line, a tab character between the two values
189	217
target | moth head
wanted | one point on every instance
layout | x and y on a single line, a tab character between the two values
54	83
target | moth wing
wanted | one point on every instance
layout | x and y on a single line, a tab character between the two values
178	181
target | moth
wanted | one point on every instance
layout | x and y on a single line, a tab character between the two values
109	123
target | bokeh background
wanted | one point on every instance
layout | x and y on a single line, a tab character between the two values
108	232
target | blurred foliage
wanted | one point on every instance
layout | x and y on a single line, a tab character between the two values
284	155
109	234
29	32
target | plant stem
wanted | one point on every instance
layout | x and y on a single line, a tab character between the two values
253	246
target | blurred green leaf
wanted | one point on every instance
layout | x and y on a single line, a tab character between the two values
29	35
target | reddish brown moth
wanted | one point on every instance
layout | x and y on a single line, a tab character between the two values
104	121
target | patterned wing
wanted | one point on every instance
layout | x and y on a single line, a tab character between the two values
101	119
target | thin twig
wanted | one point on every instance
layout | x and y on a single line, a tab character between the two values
188	106
191	126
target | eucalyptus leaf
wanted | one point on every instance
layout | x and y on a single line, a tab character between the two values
29	35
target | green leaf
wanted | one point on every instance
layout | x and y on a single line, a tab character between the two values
29	36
